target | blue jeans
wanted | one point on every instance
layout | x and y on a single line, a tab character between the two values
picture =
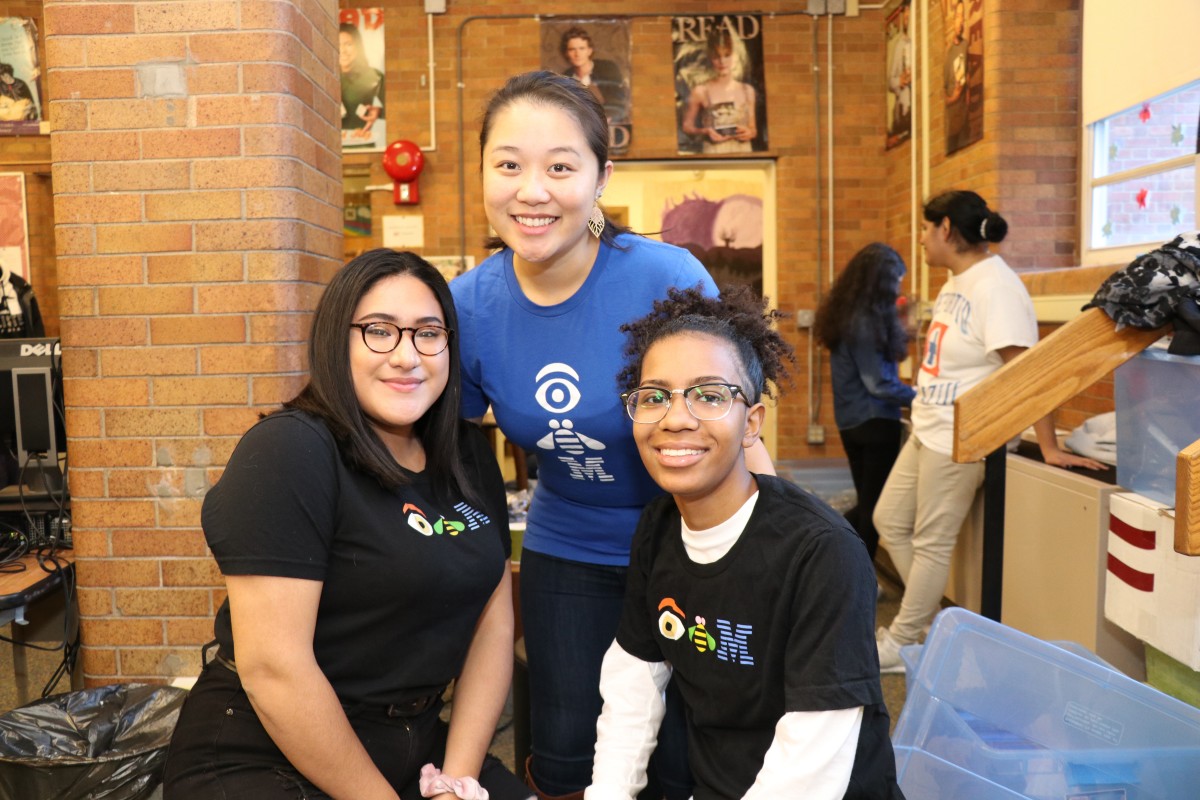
569	612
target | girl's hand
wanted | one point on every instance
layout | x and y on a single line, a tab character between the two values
715	137
743	134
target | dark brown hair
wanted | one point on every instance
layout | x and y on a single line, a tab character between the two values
330	393
561	92
969	215
864	297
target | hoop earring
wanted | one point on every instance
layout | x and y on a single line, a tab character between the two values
596	221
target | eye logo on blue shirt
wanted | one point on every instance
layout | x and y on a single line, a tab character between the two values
558	392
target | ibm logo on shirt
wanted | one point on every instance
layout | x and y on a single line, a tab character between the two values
732	642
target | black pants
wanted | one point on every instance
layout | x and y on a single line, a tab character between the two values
220	750
871	449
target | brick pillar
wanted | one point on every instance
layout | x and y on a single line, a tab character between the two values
197	200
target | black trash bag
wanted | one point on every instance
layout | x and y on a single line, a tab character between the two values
106	743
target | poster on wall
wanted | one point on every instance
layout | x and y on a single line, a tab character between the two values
14	228
361	65
962	72
899	73
720	221
21	109
599	54
720	94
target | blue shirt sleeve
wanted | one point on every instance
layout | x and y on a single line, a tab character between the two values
879	374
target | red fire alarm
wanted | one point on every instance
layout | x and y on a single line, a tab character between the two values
404	161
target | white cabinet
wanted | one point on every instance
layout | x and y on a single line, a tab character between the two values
1055	561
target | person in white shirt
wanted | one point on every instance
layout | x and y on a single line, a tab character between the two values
982	318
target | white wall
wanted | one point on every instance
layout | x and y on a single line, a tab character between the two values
1133	51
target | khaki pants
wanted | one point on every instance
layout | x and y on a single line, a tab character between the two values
924	502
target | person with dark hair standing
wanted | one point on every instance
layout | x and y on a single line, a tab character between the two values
754	594
982	318
540	326
860	325
363	534
362	84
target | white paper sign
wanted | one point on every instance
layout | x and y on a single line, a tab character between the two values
404	231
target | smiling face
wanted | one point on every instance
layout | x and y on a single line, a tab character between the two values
396	389
579	52
700	462
540	181
347	51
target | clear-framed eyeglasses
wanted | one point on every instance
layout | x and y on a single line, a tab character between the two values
384	337
706	401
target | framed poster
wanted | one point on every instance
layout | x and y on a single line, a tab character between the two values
899	73
962	72
720	95
598	53
362	70
14	227
21	110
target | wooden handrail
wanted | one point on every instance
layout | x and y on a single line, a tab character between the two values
1187	500
1041	379
1047	375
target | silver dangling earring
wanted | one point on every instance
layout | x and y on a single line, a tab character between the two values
595	222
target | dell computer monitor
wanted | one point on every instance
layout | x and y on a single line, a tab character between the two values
32	433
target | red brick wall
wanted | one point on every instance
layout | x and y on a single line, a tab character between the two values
497	48
185	288
194	229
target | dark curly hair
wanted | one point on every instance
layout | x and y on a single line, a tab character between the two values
738	316
865	292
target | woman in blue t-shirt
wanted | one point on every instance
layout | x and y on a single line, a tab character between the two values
541	343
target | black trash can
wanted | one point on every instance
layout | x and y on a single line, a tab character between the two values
106	743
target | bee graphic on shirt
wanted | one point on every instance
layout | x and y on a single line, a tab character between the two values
699	636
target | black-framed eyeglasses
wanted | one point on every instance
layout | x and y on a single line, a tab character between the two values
384	337
706	401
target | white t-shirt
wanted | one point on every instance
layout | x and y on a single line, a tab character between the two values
976	313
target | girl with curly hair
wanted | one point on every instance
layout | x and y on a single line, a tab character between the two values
758	597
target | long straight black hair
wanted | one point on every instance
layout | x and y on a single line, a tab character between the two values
330	393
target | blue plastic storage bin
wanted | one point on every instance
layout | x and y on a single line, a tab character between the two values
996	713
1156	397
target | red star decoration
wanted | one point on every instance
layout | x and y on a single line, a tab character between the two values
1141	197
1144	114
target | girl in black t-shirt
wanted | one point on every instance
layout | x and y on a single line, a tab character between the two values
363	535
756	596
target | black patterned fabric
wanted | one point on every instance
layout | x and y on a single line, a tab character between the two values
1157	288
